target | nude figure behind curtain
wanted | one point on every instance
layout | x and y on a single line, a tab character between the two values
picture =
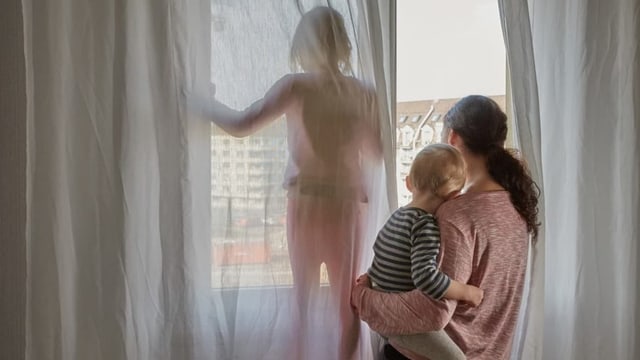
332	136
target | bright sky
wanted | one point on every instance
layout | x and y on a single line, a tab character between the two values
449	48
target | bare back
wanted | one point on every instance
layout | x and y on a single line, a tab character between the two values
332	128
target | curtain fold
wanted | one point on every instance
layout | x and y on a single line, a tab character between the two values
580	60
523	88
114	270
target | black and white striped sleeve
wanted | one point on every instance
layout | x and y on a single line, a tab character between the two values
425	247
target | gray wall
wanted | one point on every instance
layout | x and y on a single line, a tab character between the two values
12	182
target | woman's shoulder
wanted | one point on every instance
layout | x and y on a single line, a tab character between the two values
297	81
292	77
283	88
469	205
289	80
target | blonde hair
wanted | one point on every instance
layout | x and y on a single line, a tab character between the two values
321	38
439	169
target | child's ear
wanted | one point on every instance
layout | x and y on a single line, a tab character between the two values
407	183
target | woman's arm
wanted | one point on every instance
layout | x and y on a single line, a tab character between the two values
413	312
400	313
246	122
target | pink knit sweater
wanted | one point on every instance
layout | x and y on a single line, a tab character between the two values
484	243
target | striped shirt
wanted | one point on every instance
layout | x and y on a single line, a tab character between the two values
406	254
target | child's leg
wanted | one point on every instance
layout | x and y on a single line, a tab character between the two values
433	345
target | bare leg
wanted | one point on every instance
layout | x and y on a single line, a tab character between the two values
325	230
341	257
305	267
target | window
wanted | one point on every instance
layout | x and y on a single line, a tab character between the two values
249	206
430	82
248	228
406	136
427	135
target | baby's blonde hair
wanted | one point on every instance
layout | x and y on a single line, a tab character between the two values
321	37
439	169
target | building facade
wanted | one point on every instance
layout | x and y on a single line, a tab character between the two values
420	123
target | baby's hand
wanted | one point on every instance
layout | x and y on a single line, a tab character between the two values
475	295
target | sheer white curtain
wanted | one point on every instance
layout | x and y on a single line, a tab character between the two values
256	295
152	234
118	220
523	87
576	88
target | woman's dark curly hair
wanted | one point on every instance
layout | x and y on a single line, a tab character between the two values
482	125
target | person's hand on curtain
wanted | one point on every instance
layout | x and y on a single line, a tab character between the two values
198	103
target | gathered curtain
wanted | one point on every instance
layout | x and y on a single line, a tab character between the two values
576	93
152	234
117	177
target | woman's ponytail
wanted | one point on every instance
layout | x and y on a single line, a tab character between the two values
512	174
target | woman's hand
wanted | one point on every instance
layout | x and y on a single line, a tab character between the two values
363	280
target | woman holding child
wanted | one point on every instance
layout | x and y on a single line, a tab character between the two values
485	235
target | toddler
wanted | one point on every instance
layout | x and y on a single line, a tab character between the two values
407	247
